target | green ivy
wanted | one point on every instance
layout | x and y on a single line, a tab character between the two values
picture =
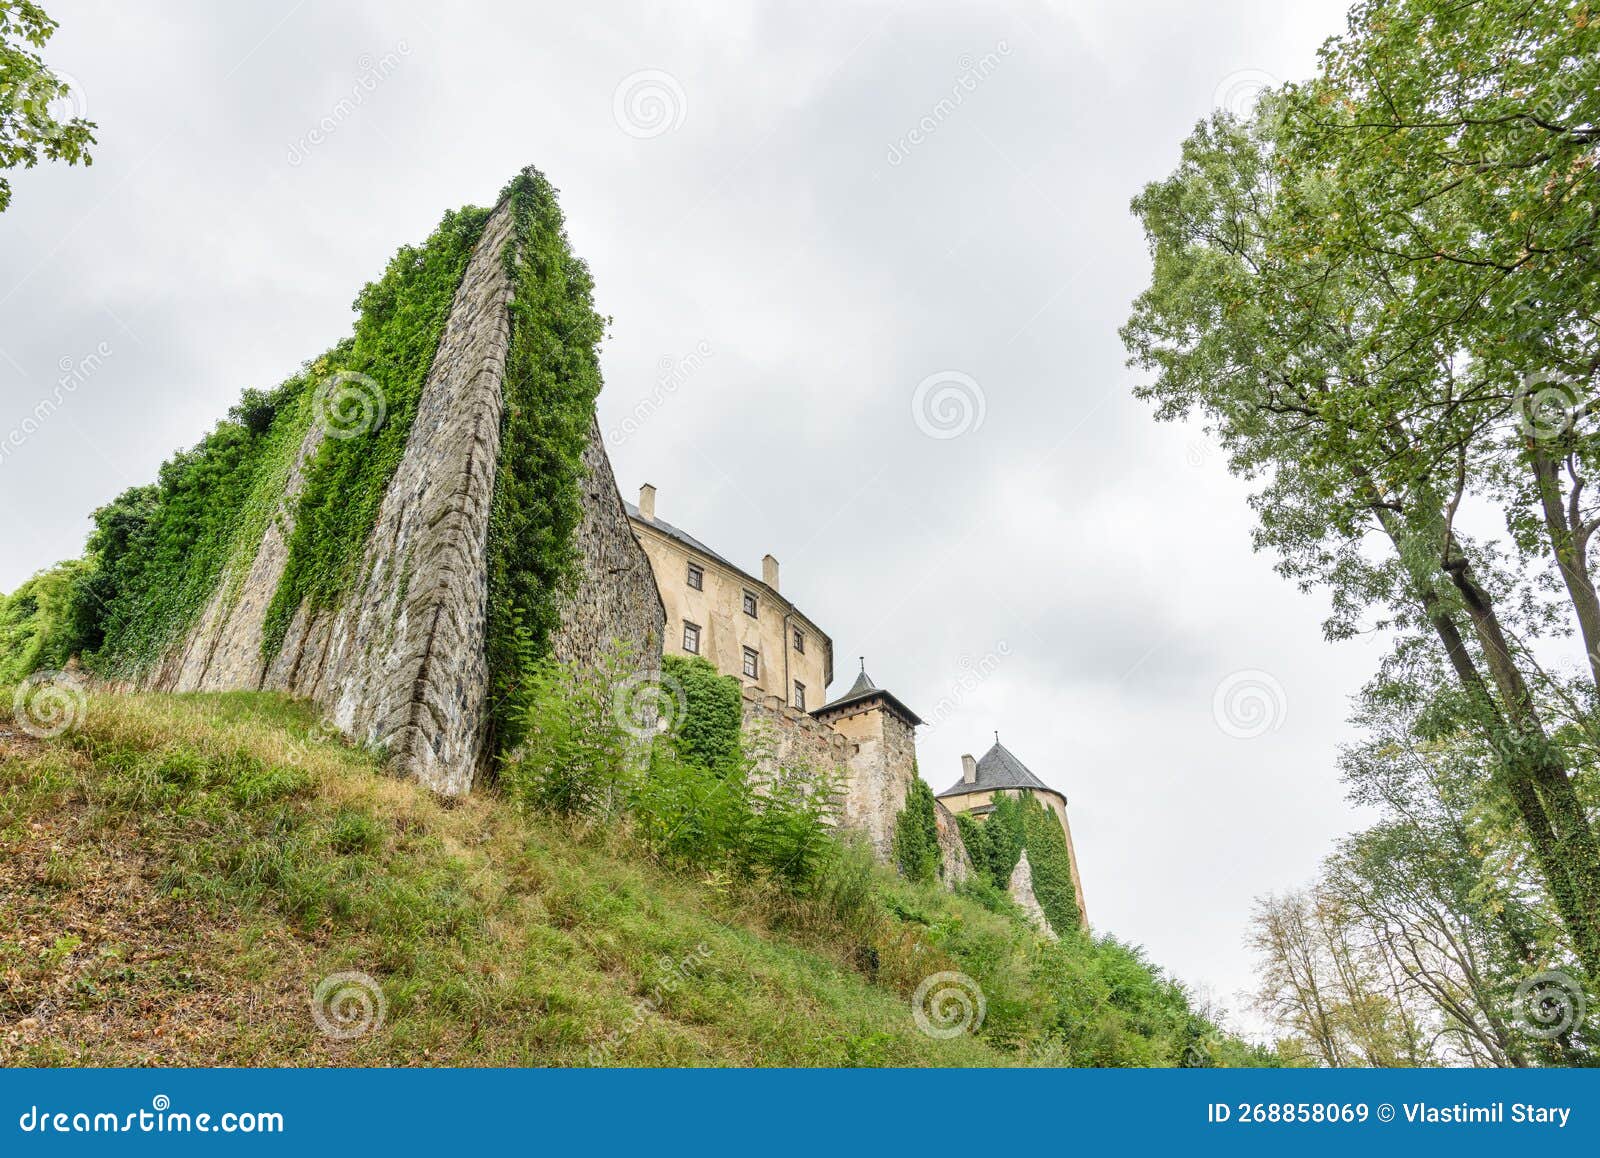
157	552
551	381
402	317
996	843
916	834
713	711
36	629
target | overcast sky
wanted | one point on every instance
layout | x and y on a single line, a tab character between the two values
865	266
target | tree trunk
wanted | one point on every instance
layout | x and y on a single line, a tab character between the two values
1569	543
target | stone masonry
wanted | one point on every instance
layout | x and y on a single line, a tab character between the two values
1021	889
400	664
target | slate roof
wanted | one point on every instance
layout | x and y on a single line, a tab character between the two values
865	689
999	769
685	538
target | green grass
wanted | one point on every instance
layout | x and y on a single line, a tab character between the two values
179	873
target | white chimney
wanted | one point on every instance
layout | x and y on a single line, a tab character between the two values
769	571
647	502
969	770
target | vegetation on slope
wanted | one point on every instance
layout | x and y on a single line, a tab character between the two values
178	874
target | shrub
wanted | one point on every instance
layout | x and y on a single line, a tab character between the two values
916	834
708	734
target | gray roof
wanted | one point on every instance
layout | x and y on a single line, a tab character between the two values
999	769
683	537
865	689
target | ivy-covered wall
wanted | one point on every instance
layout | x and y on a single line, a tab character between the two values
996	842
399	530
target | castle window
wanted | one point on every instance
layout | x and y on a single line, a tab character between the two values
799	641
697	577
752	663
800	695
750	604
691	637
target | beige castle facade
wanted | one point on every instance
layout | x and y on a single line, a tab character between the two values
743	625
746	628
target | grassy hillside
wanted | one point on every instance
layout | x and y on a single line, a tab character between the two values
179	872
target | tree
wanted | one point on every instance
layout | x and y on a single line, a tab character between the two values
1329	360
29	96
916	834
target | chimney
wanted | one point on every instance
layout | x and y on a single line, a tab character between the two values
969	770
769	571
647	502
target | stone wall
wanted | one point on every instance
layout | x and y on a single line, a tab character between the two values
880	771
1021	889
616	601
955	863
782	736
400	664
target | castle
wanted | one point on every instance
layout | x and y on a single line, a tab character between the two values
748	629
399	660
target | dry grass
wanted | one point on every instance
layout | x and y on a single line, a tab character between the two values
178	875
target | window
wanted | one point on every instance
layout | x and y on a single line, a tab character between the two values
800	695
691	637
750	604
752	663
697	577
799	641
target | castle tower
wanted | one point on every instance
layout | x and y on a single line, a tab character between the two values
880	773
1001	773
